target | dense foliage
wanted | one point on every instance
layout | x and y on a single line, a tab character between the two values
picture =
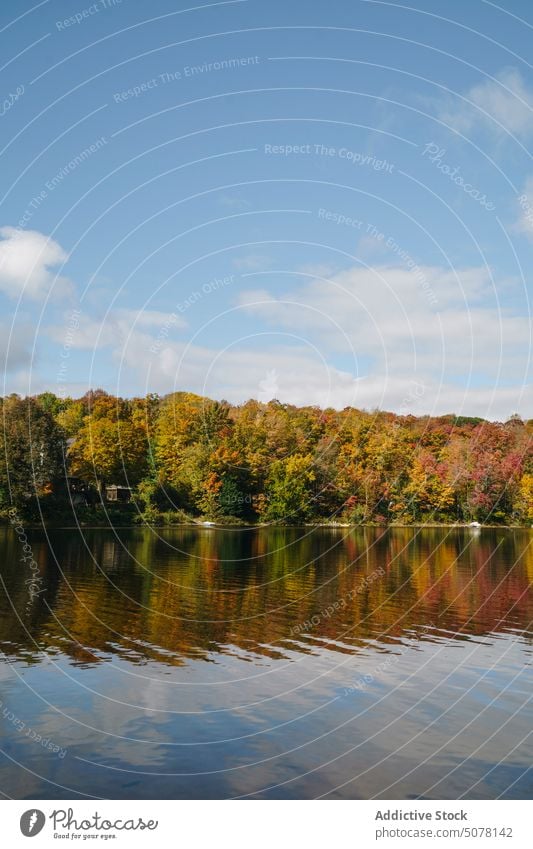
188	455
32	450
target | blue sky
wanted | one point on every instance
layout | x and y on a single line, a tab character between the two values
326	203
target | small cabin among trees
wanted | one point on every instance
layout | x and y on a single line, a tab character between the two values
121	494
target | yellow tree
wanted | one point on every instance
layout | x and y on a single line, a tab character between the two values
428	489
289	491
525	497
179	426
109	449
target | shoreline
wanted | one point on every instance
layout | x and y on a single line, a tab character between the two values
250	527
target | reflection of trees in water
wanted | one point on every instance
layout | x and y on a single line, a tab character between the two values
22	617
191	593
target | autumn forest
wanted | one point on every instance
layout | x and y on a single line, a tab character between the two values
183	457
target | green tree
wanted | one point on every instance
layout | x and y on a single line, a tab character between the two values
289	493
32	451
51	403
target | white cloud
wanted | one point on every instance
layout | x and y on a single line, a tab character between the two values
369	245
26	262
396	317
502	104
116	328
368	338
296	375
443	328
15	351
290	373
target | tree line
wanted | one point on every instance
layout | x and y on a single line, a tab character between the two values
185	456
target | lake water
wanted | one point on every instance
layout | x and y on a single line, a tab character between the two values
268	663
